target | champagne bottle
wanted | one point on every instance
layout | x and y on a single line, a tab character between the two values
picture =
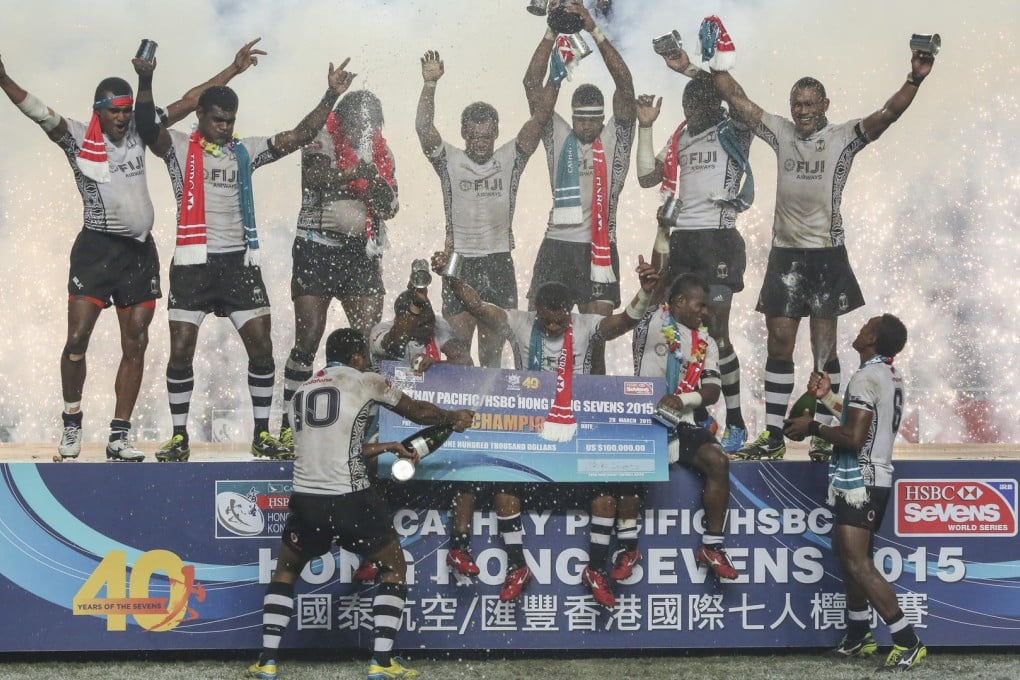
422	442
806	402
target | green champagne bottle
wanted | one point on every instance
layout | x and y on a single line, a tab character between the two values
423	442
806	402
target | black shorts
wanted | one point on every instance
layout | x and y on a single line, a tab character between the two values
113	269
690	439
339	271
815	282
716	255
494	278
221	286
570	264
359	522
869	516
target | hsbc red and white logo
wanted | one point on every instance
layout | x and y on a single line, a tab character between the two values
956	507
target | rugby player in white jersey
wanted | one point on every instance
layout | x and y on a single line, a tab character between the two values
216	261
860	479
573	252
706	158
113	261
479	188
348	191
537	341
809	272
333	499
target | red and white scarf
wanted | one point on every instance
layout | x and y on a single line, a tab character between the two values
560	425
191	234
92	160
601	250
671	164
347	157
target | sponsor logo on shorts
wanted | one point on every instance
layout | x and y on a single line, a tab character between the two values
641	388
251	509
77	282
944	507
843	302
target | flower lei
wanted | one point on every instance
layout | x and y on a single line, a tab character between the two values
678	361
215	150
669	332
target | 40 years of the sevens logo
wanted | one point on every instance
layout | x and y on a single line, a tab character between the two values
131	595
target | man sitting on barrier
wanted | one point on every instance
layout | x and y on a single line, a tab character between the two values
672	342
550	338
333	496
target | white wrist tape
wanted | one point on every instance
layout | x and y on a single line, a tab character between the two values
599	36
832	402
645	151
661	244
637	307
691	71
550	34
33	107
691	399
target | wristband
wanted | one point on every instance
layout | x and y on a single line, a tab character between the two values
599	36
815	429
550	34
915	80
636	311
645	151
831	402
691	399
661	244
691	71
430	84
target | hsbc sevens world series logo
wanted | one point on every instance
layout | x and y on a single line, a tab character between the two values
956	507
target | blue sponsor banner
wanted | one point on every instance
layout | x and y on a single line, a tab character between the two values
152	557
616	439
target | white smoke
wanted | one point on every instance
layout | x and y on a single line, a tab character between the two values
929	209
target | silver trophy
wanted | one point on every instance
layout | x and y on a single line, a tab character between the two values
147	50
454	265
538	7
421	277
921	42
669	46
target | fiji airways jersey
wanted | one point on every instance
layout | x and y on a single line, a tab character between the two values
617	139
479	198
877	388
706	173
224	226
334	212
121	206
330	414
586	331
811	175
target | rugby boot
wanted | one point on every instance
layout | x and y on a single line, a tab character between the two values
819	450
714	558
854	649
623	564
599	586
904	658
121	450
174	451
517	579
70	442
733	438
396	669
266	445
766	446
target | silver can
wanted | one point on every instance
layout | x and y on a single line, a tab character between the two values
147	50
454	265
578	45
669	45
670	417
538	7
670	211
921	42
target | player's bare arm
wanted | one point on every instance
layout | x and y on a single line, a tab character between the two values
617	324
52	123
339	79
878	122
432	70
245	58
